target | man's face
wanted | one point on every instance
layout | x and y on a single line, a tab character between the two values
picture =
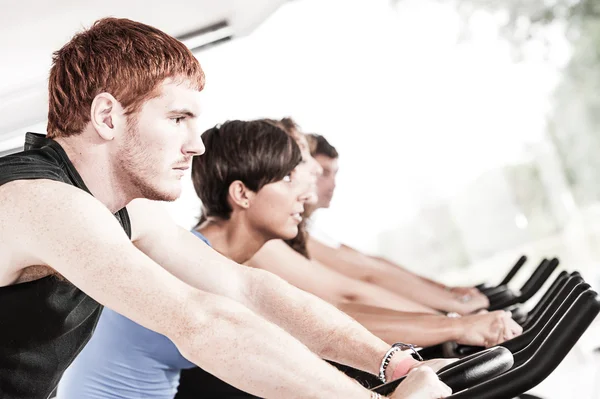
308	166
160	141
326	182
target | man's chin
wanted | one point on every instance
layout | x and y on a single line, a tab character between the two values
325	205
164	195
172	195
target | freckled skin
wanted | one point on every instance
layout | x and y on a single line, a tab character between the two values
247	327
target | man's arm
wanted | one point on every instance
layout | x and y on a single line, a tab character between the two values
424	330
324	329
394	265
457	291
359	266
49	223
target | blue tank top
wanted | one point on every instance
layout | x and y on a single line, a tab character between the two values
124	360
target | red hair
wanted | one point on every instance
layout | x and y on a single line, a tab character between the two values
125	58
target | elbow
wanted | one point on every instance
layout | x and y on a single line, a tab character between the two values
370	278
194	328
258	279
349	297
263	286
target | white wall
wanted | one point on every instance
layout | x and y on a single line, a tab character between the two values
415	115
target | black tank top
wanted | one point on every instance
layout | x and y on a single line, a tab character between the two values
44	323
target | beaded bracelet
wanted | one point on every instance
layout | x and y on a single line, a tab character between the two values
385	362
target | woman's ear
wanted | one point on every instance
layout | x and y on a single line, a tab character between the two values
240	195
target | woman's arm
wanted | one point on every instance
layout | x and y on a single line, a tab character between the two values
335	288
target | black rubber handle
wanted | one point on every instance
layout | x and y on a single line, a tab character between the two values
501	296
520	262
502	293
532	286
563	299
466	372
558	307
539	271
524	354
546	358
542	304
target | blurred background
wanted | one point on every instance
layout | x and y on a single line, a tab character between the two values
468	130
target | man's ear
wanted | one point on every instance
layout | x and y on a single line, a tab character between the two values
107	116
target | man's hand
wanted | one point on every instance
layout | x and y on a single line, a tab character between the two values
461	291
467	304
422	383
488	329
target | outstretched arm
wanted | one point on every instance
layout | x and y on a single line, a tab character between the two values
324	329
456	291
52	224
424	330
395	279
329	285
420	329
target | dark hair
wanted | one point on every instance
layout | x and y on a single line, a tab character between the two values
299	243
128	59
287	124
320	146
255	152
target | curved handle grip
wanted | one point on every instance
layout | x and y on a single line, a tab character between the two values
502	294
543	303
532	286
550	316
524	354
466	372
565	297
514	270
543	266
546	358
527	291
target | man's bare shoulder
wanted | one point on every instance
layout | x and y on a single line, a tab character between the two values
26	186
38	196
29	211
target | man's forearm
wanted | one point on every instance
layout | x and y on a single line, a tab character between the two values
384	275
326	330
236	345
415	288
396	272
396	266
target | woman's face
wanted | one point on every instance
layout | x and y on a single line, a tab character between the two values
276	209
